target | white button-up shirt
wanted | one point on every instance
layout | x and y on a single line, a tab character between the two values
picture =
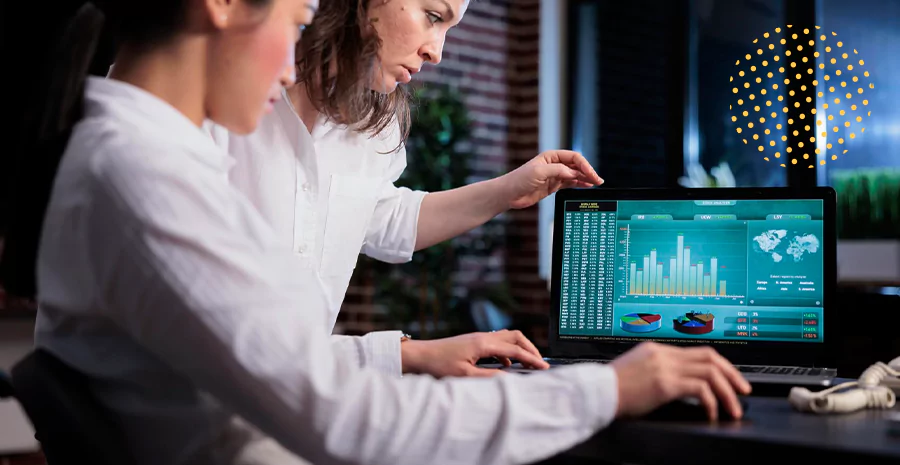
329	195
162	282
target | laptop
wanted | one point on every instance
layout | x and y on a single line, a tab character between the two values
750	272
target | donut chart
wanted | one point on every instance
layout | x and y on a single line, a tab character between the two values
640	322
694	323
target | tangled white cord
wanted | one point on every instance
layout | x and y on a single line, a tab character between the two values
867	392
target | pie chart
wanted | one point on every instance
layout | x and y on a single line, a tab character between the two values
694	323
640	322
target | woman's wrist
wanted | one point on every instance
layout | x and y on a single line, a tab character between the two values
411	356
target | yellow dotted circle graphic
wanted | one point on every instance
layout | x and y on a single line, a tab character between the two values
834	103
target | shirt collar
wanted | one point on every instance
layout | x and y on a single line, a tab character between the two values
150	114
322	127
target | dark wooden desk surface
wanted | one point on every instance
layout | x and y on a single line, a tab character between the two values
769	431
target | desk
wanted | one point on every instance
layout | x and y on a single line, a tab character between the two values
770	431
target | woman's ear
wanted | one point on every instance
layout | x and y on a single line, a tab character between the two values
219	12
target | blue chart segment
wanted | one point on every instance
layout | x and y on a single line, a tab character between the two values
681	260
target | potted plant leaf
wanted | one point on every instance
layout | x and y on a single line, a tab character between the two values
425	296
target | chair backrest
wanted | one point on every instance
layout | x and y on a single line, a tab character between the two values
6	389
72	426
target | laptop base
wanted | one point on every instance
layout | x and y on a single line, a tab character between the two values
755	374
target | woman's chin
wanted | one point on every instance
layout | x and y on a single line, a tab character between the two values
388	86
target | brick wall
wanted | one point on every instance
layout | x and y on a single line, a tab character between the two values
522	265
492	58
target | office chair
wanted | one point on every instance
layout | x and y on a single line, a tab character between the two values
6	389
71	425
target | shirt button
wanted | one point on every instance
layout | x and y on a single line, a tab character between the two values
302	249
305	187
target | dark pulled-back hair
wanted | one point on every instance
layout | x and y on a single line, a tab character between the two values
47	126
43	140
147	24
337	58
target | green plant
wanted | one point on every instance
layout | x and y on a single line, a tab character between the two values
868	203
423	295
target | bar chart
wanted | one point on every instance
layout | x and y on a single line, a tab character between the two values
680	277
690	262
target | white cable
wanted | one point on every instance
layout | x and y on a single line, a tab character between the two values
879	397
875	374
868	392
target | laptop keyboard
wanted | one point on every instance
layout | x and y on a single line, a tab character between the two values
769	370
573	361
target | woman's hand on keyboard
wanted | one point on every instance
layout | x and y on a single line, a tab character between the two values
458	355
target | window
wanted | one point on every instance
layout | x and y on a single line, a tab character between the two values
873	28
721	32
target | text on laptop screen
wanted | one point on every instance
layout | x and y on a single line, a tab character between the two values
705	270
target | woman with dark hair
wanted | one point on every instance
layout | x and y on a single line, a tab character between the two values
164	286
321	168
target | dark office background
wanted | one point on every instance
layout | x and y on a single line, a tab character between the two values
28	35
659	92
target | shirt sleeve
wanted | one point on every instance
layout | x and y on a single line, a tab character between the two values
379	350
391	234
191	272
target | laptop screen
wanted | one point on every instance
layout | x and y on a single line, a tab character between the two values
709	271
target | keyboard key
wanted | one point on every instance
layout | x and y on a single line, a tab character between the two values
750	369
791	371
572	361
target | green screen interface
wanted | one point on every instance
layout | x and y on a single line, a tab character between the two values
725	271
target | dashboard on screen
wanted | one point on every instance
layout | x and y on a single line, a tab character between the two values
701	270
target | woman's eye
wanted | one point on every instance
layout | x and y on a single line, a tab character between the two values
433	17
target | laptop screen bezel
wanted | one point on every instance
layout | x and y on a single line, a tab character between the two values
755	352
